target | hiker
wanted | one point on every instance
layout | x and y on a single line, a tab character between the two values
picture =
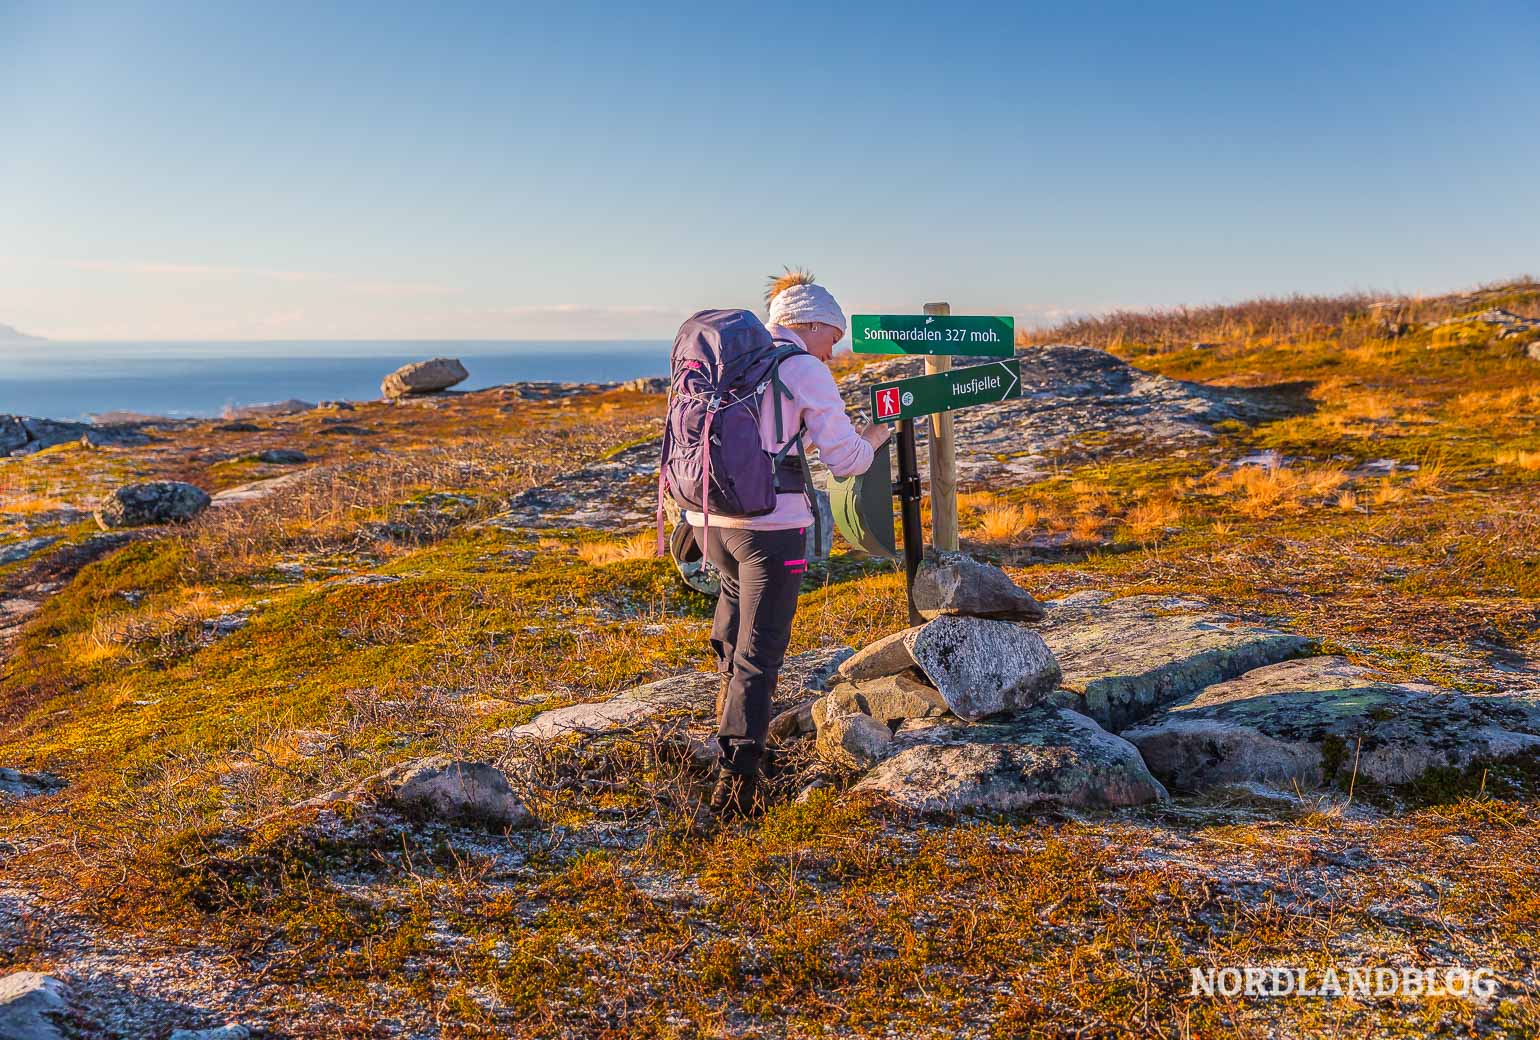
761	392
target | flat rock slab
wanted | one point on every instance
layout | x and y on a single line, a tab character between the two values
692	694
1124	659
257	490
1047	758
1306	722
887	656
33	1006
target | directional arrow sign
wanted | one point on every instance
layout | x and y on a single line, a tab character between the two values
946	391
933	334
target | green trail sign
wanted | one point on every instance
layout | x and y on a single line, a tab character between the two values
933	334
945	391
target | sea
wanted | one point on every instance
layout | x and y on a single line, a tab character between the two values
81	381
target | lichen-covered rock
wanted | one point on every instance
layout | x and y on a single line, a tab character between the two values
887	656
157	502
1306	722
889	698
424	377
258	490
225	1032
954	583
794	722
33	1006
982	667
1048	757
463	792
1126	658
852	739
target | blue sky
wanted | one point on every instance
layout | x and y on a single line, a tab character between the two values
275	170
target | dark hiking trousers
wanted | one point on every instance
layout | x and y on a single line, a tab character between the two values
761	575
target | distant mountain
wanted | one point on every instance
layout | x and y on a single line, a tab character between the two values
10	335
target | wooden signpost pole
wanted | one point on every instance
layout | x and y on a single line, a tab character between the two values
943	457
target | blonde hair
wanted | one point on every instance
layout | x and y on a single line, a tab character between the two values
788	277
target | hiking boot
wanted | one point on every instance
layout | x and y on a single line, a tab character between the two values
737	789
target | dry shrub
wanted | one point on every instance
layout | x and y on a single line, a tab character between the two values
1348	502
1003	522
636	547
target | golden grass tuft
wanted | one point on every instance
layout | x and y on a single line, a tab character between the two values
1388	492
1519	458
602	554
1152	517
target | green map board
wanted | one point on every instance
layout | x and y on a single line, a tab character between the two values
971	336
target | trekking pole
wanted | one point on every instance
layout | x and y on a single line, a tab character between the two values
908	490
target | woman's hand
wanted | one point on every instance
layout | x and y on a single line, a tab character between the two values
876	434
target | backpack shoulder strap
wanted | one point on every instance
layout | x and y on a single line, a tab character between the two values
784	348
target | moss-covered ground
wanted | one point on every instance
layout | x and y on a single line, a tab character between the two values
384	622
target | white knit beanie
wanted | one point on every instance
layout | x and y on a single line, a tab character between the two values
804	304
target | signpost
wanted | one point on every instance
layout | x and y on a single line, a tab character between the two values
903	399
939	333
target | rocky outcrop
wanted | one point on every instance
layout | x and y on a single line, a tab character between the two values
23	434
982	666
1318	720
1508	323
460	792
16	784
1046	758
423	377
15	552
33	1006
953	583
157	502
1124	659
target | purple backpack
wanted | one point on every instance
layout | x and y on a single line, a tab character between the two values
713	461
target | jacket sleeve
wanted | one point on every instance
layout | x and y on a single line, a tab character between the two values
830	430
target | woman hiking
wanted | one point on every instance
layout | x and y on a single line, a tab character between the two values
745	399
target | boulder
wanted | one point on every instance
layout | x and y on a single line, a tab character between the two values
646	385
33	1006
1046	758
282	456
888	699
1124	659
423	377
1305	721
982	666
18	551
953	583
158	502
462	792
852	740
887	656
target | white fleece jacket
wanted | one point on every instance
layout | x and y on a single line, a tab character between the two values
816	403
